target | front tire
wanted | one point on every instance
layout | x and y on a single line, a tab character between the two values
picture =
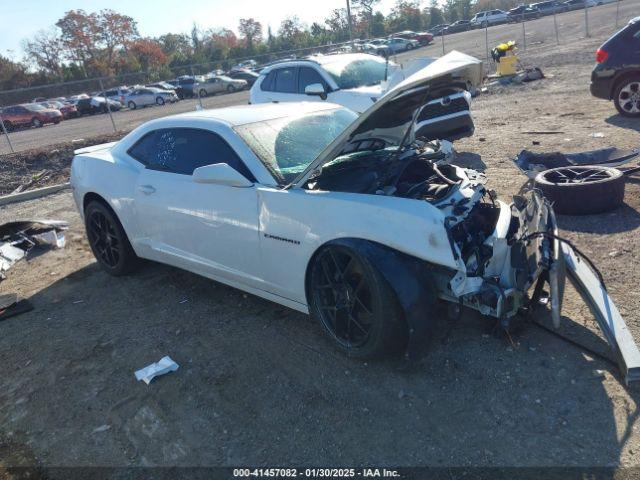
626	96
36	122
203	93
231	89
132	105
354	303
160	101
108	240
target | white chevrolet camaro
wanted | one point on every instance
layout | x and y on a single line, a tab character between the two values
349	218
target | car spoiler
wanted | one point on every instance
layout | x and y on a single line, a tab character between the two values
95	148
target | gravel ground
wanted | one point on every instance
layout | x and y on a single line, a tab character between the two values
259	384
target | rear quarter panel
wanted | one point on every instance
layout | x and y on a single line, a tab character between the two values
99	172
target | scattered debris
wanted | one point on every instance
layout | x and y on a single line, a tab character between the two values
597	135
18	239
529	74
34	179
101	428
531	163
148	373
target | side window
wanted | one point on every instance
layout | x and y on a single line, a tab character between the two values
268	82
182	150
286	80
308	76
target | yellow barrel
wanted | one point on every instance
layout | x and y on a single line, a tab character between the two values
507	65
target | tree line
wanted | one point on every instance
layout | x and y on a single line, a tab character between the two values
83	45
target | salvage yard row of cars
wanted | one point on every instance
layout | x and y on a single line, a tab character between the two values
520	13
43	111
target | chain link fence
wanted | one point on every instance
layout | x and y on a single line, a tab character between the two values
548	32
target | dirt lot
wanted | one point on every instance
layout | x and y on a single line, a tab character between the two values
259	384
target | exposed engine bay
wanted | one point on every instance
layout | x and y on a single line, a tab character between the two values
418	173
496	267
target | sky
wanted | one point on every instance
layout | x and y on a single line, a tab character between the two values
19	20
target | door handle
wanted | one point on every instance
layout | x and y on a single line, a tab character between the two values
147	189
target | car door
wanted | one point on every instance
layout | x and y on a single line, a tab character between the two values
23	116
210	229
218	85
283	86
146	97
309	76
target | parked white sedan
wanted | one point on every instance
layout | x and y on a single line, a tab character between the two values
350	218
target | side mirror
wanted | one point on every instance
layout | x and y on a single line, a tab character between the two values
316	89
221	174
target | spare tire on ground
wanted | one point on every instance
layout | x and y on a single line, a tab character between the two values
582	190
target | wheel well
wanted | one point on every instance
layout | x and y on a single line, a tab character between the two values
410	278
621	78
94	197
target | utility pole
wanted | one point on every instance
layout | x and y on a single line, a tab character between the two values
349	18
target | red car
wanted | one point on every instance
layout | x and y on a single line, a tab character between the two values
29	114
68	110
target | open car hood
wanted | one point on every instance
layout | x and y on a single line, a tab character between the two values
394	111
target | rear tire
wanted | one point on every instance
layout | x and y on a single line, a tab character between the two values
36	122
354	303
203	93
626	96
108	240
573	193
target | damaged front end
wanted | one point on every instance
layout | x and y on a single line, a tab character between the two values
502	251
507	253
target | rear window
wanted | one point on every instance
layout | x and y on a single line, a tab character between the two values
286	80
267	84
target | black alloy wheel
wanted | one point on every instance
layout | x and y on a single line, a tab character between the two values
108	241
104	240
354	303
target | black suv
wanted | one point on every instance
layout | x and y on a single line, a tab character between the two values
616	75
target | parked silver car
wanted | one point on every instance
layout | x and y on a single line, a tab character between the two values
219	84
141	97
397	45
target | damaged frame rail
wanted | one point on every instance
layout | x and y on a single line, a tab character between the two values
597	298
588	282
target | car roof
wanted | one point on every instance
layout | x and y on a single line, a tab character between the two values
244	114
320	60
